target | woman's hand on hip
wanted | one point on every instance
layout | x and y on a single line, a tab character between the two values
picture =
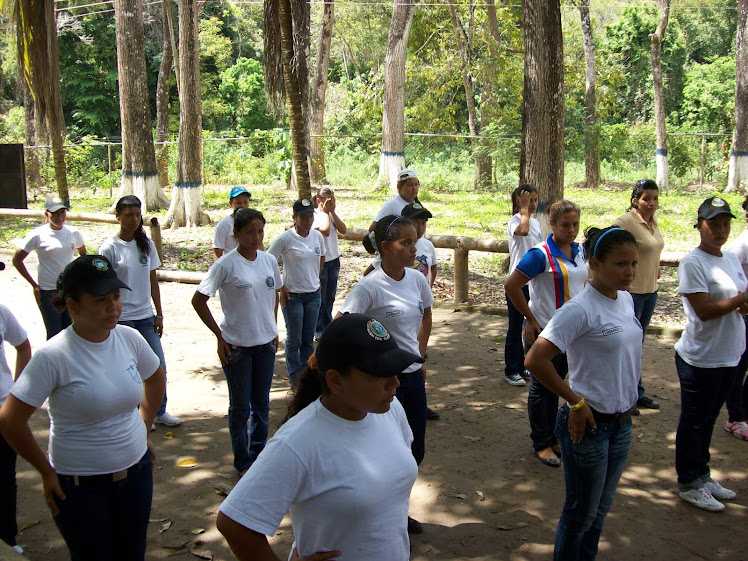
224	350
319	556
50	489
532	329
578	421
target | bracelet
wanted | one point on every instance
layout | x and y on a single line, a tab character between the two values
159	317
581	403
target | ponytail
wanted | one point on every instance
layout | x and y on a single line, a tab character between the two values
141	239
306	390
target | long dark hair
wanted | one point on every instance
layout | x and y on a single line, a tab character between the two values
388	229
601	241
639	188
310	386
141	239
516	193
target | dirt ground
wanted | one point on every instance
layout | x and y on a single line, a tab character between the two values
480	494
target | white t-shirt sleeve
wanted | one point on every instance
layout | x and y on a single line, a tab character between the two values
37	381
691	277
155	260
426	296
77	237
213	280
278	246
263	496
566	325
31	241
14	333
359	300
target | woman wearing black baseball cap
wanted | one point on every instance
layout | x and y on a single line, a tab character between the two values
707	354
104	385
341	464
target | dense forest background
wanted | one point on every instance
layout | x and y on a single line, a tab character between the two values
244	143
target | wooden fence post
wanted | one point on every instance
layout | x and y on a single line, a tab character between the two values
156	237
461	274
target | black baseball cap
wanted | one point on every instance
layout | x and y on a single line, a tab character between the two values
53	204
416	210
363	342
303	206
714	206
93	274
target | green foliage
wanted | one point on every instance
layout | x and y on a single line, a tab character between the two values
709	95
12	126
243	89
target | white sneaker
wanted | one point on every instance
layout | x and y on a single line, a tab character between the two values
719	492
18	549
702	499
168	420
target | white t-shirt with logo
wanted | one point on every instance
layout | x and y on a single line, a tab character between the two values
224	236
717	342
602	340
300	258
519	245
12	332
345	483
739	247
398	305
134	269
332	247
392	207
247	293
425	258
54	250
94	390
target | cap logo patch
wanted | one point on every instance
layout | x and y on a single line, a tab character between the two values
417	206
718	202
305	202
57	200
377	330
100	264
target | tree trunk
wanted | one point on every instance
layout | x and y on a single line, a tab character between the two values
392	156
293	16
663	180
319	89
33	166
592	136
139	176
162	103
542	151
482	162
739	155
186	209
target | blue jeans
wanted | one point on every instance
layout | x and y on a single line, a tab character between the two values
249	374
412	396
301	313
107	521
737	397
328	280
644	305
54	321
592	470
702	393
146	327
514	353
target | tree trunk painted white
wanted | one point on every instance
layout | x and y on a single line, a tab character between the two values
392	156
186	208
663	177
542	151
738	176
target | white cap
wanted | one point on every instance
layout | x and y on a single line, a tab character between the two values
407	173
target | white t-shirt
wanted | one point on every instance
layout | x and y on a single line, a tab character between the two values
425	258
134	269
224	237
94	390
300	259
54	249
519	245
332	247
345	483
392	207
398	305
602	340
720	341
12	332
247	293
739	247
554	278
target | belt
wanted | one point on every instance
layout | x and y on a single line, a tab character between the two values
99	480
612	418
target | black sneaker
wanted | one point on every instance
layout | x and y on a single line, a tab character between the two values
432	415
526	375
515	380
414	526
647	403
